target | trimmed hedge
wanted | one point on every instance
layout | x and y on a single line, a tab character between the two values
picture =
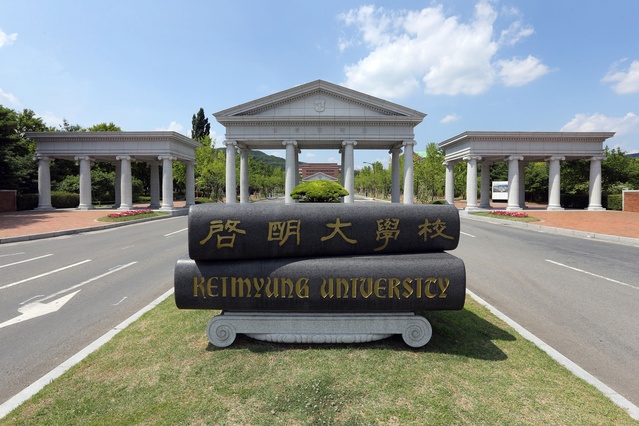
615	202
59	200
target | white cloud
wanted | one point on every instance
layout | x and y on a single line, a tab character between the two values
628	124
428	51
310	155
623	81
7	39
9	99
174	127
51	120
518	72
450	118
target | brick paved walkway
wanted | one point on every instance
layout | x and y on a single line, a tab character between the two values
14	224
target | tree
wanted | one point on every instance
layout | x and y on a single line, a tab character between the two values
201	127
430	173
104	127
319	191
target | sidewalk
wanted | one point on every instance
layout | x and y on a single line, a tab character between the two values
592	224
31	224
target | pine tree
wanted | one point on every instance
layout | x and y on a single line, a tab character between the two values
201	127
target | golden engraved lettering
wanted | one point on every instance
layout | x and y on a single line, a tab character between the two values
378	287
337	229
387	229
238	285
393	291
258	284
302	290
443	286
408	288
282	231
271	289
210	286
436	228
198	286
427	291
287	288
217	226
342	288
326	290
366	292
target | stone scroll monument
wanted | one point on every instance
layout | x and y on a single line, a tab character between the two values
321	273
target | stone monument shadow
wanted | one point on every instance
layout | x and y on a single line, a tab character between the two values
460	333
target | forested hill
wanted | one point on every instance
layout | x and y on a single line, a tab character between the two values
271	160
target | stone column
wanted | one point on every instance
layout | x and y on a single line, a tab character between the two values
297	167
342	182
513	182
290	170
85	183
594	189
231	182
155	185
167	181
484	201
554	183
522	184
190	183
471	181
116	184
126	189
349	170
449	189
44	183
408	172
395	170
244	175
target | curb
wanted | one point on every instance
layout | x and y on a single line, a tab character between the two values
551	230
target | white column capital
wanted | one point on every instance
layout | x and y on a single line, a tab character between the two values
289	142
42	158
167	157
230	142
596	158
345	143
472	157
556	158
409	142
82	158
124	157
515	158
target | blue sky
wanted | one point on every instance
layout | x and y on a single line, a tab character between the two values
543	65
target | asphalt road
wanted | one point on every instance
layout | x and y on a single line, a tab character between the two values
96	280
579	296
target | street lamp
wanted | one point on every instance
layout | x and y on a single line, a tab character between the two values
374	182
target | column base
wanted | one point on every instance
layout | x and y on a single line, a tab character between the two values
318	328
85	208
554	208
595	208
125	207
44	208
513	208
154	206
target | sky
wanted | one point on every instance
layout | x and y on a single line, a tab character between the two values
470	65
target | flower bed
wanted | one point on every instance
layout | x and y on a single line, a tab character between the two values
507	213
129	213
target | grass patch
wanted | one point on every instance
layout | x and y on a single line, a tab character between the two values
521	217
130	217
162	370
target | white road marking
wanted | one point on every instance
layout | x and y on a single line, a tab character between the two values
176	232
11	254
31	298
112	270
594	275
123	299
26	260
38	309
469	235
44	275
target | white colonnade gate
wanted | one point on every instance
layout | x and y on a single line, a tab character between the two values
519	148
158	149
319	115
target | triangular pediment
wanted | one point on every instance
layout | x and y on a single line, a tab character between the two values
318	99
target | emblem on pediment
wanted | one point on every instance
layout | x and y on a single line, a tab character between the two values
320	105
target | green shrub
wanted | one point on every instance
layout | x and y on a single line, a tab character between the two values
437	202
319	191
65	200
27	201
614	202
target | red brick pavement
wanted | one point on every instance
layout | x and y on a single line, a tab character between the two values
624	224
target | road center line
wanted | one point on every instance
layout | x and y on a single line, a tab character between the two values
172	233
44	275
11	254
110	271
594	275
469	235
24	261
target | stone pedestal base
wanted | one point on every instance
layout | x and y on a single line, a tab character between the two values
318	328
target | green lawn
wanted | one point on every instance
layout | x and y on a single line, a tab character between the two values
162	370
